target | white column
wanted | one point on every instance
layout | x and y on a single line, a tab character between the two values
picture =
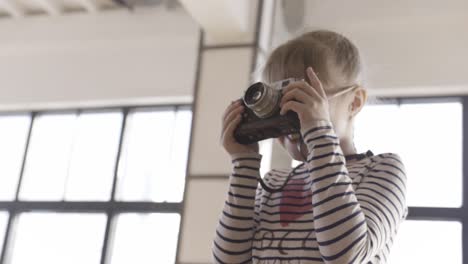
226	65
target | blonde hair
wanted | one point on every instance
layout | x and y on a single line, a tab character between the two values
334	58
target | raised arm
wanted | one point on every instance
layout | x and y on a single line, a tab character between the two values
235	230
352	225
234	233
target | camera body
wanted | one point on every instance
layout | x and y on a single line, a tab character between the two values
261	118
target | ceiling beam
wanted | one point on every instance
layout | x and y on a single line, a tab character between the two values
90	5
232	22
50	7
13	8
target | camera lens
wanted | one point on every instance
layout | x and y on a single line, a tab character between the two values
262	99
254	93
257	95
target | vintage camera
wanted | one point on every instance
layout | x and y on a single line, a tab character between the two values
261	118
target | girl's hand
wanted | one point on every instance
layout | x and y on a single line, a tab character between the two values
309	101
231	119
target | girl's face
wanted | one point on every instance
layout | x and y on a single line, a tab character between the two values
341	110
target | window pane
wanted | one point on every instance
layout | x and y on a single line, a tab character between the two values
420	134
378	129
428	242
13	135
58	238
72	156
154	155
48	157
171	187
93	156
432	150
3	225
145	238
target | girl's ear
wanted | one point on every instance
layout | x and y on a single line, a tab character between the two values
358	102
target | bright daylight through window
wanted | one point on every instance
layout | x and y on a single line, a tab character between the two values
108	182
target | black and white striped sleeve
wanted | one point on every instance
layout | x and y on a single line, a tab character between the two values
234	233
382	196
352	226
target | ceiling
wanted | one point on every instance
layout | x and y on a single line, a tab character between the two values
29	8
26	8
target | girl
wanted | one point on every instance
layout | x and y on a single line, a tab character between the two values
337	206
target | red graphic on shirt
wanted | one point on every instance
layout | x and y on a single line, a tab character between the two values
294	205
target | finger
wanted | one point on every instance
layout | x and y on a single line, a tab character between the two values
294	106
230	107
231	126
303	86
315	82
298	95
299	84
235	111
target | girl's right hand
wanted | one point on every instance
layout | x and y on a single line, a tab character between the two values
231	119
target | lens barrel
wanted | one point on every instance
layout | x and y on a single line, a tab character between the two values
262	99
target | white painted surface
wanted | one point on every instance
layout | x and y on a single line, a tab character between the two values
224	77
203	206
224	21
148	56
410	47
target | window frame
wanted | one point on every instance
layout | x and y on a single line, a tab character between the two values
110	208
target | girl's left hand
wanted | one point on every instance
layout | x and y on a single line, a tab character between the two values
309	101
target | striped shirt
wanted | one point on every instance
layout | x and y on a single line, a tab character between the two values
330	210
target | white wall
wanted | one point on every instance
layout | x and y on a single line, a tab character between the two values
416	47
113	57
224	74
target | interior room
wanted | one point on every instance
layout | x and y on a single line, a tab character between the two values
116	146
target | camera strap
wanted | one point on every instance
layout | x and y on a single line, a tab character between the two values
263	184
271	190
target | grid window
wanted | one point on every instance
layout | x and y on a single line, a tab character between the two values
94	185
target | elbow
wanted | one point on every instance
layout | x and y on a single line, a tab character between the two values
356	252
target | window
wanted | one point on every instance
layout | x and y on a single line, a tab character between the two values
422	134
416	239
428	135
146	164
148	229
58	238
94	185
